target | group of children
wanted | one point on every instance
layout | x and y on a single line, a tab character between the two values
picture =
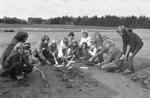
99	50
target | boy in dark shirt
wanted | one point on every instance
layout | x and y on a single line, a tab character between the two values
43	54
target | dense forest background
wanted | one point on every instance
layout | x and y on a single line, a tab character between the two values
108	20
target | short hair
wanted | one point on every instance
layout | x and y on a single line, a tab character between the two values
27	46
122	29
45	37
75	44
71	34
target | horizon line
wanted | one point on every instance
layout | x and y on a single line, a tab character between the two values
74	16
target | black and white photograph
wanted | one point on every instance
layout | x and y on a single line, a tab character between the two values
74	48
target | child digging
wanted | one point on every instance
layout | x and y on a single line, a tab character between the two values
43	54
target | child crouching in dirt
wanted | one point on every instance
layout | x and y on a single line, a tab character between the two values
28	52
16	64
112	62
93	49
74	51
42	52
53	49
63	48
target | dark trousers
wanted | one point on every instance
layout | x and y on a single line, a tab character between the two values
47	55
18	70
130	59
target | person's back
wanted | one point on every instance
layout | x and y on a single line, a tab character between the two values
114	53
13	58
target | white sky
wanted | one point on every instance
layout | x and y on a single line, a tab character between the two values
53	8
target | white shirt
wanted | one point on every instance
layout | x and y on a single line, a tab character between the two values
87	40
60	49
92	51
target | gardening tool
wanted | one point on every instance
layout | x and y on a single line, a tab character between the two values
56	62
70	62
45	82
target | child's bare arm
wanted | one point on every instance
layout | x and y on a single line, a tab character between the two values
40	52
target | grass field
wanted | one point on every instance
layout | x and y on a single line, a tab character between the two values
52	28
58	32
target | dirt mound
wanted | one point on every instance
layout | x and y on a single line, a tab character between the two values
142	78
82	86
75	78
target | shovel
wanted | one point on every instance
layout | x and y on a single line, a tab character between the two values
45	82
70	62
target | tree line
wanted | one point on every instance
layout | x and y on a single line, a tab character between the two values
108	20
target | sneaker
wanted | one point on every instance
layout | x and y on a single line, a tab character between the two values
127	71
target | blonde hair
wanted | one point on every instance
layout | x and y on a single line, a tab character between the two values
110	42
18	45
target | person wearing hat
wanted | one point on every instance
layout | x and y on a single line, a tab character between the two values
16	64
134	41
85	38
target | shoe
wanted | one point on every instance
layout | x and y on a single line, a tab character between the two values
127	71
4	74
20	81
